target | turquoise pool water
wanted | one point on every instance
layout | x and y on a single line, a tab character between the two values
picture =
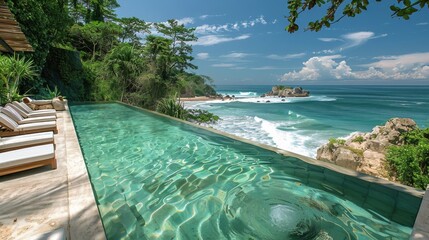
156	178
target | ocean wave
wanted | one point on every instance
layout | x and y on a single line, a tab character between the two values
272	133
248	93
240	94
268	100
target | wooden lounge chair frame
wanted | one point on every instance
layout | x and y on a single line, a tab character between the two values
7	132
51	161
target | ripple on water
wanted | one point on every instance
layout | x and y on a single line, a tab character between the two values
155	179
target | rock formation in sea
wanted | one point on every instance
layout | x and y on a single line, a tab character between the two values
365	152
283	91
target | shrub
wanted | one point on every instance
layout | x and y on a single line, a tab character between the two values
48	93
409	162
358	139
335	141
201	116
171	107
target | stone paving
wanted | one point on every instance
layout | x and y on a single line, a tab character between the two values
43	202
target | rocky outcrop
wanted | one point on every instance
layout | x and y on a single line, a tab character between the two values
282	91
365	152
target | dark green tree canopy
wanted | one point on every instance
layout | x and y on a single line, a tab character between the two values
132	29
403	9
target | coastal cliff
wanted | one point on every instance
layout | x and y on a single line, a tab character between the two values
285	91
366	152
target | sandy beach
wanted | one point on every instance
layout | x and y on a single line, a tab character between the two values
197	99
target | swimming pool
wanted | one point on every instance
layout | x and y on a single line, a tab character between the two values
157	178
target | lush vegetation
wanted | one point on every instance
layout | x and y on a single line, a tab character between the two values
402	9
83	50
335	141
409	163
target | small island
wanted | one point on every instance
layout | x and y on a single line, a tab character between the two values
287	91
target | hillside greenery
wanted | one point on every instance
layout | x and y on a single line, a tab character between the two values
409	163
82	49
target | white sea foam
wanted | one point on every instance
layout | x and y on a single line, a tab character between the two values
247	94
268	132
268	100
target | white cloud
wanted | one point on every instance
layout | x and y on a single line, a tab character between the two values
325	51
330	39
350	40
224	65
185	21
402	67
210	40
212	29
422	24
317	67
274	22
208	16
236	55
405	61
202	55
286	57
357	38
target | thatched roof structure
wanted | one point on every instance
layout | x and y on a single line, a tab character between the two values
12	39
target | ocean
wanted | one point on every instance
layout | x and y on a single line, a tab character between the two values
301	125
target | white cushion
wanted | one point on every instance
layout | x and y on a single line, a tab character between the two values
26	140
26	155
8	122
29	110
41	114
18	109
36	126
37	119
10	112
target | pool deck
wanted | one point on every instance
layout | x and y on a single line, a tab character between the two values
51	204
60	204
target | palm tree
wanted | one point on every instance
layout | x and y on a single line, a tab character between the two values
124	63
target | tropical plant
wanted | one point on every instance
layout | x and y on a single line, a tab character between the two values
409	163
403	9
201	116
13	70
48	93
172	107
124	64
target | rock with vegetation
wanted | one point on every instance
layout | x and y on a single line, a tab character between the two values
286	91
366	152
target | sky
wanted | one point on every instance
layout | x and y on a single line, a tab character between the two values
244	42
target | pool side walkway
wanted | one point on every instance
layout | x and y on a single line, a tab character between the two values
43	203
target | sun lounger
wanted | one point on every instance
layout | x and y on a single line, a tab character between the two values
12	113
26	108
11	128
26	140
27	158
27	112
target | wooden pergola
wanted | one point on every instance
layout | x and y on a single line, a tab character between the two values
12	39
